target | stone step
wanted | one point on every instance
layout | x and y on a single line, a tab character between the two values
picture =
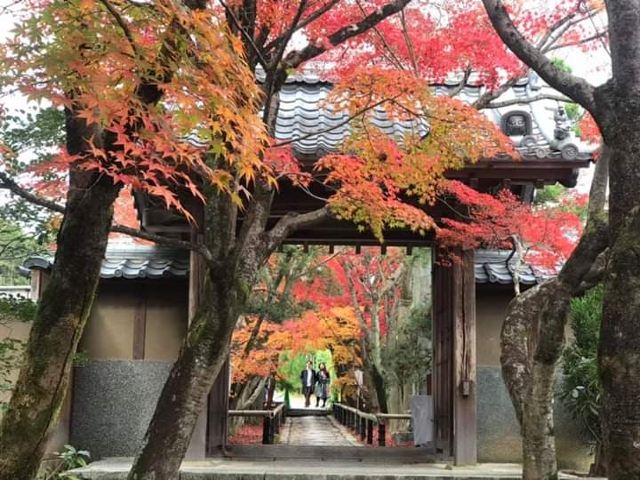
225	469
308	412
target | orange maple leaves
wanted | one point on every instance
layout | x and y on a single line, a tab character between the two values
162	88
381	172
548	234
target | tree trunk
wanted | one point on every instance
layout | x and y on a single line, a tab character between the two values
598	467
380	389
532	338
185	392
615	105
62	313
619	351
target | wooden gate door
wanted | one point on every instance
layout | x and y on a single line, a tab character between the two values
454	359
442	355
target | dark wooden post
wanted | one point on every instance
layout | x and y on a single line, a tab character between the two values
217	412
363	428
454	376
369	431
266	430
382	432
140	324
276	424
464	343
442	359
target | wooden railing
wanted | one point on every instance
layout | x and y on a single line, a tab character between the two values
364	423
272	420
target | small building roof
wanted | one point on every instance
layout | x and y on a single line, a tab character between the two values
152	262
132	263
497	267
304	115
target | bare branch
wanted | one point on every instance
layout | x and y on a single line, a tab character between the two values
574	87
463	83
307	21
121	23
489	96
248	38
162	240
292	222
297	57
409	43
7	183
528	100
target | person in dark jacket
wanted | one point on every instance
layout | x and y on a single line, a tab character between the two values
308	378
322	386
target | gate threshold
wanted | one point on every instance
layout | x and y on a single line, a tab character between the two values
225	469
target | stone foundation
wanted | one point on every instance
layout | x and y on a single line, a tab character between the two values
113	401
499	433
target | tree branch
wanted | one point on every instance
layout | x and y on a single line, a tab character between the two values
162	240
491	95
525	101
307	21
297	57
121	23
292	222
7	183
573	87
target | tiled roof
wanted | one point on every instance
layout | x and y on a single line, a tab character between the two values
320	129
154	262
137	262
496	266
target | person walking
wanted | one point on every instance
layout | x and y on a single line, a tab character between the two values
322	387
308	378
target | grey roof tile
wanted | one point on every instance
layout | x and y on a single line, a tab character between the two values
496	267
132	263
319	128
491	266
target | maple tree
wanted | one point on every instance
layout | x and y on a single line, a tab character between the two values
381	297
372	160
161	128
612	105
298	308
109	71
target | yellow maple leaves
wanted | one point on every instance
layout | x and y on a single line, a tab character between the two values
168	81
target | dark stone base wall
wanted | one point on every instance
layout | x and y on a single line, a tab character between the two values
499	434
112	405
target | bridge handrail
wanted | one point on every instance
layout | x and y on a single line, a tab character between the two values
256	413
363	422
272	420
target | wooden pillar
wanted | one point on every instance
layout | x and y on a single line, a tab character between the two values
442	359
217	413
197	448
454	359
140	324
464	346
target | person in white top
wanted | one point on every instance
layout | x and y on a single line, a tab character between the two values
308	378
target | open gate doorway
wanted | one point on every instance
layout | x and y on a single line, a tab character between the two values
453	381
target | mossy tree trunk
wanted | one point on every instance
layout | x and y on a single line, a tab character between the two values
533	338
619	349
62	312
615	106
236	257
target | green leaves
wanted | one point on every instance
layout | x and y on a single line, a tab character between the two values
581	390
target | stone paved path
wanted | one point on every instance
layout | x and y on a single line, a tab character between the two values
316	431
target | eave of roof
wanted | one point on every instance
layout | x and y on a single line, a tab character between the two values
491	266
